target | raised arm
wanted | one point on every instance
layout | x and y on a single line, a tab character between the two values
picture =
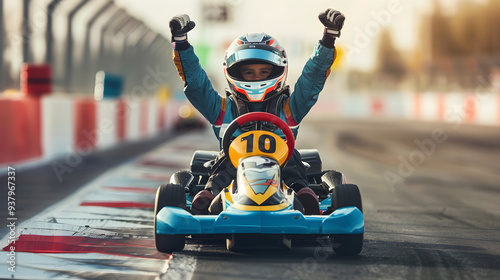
317	68
197	88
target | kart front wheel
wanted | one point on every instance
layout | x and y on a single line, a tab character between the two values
169	195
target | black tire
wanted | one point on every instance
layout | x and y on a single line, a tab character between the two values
175	196
346	195
347	244
343	196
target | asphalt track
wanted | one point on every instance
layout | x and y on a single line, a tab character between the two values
430	194
39	187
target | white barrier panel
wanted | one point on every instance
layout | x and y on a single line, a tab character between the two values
394	105
429	106
57	125
408	105
133	120
487	109
454	108
152	117
106	123
355	105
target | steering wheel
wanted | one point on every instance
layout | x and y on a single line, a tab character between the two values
263	117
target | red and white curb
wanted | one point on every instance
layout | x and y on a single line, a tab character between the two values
105	229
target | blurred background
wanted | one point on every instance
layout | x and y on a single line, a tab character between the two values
424	60
410	113
448	45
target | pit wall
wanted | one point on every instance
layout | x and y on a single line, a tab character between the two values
34	130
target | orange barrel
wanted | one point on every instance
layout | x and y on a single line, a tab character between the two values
36	79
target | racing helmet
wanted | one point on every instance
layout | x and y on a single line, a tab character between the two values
255	48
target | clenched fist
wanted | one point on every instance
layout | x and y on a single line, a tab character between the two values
180	25
333	21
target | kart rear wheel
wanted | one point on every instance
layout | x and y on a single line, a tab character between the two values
347	244
346	195
169	195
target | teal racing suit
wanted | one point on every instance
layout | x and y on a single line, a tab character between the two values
220	111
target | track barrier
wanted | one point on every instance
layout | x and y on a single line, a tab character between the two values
51	126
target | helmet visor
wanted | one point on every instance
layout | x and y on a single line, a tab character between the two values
264	53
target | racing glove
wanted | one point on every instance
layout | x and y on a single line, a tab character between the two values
333	21
180	25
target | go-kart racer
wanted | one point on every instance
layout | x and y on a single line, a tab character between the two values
255	67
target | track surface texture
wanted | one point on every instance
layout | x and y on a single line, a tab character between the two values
430	197
431	210
41	186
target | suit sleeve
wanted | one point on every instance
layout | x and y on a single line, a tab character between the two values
197	88
311	82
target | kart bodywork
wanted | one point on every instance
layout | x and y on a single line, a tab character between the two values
258	205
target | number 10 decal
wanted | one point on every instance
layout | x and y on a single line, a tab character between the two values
261	143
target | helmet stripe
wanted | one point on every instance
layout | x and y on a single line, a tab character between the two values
268	90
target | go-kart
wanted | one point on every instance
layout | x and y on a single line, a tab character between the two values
258	206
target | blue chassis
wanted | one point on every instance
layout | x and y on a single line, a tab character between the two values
347	220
